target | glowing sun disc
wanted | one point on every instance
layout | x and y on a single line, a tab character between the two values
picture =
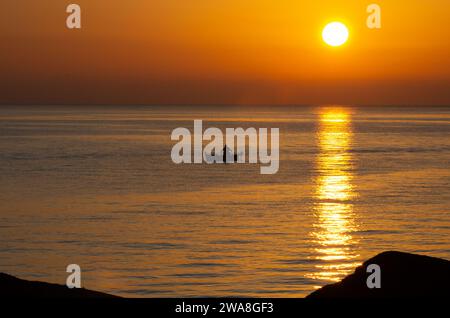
335	34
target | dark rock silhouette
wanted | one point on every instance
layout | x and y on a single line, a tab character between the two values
403	275
12	287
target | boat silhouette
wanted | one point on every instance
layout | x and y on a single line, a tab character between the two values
227	155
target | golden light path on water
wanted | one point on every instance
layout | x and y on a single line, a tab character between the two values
334	215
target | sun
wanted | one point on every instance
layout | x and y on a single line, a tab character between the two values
335	34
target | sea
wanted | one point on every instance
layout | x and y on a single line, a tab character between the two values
96	186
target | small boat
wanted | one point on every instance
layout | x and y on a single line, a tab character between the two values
227	155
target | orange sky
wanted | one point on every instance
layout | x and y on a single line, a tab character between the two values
223	52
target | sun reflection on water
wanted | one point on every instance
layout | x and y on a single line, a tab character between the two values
334	215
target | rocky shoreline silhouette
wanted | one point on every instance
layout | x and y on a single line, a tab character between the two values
12	287
403	275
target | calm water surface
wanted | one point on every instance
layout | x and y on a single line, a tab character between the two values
97	187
